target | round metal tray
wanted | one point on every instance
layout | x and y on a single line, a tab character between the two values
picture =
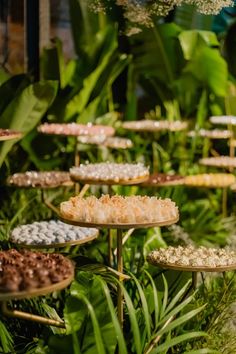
38	291
193	268
58	245
11	137
120	226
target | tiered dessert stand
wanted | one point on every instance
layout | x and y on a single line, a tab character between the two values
120	227
155	260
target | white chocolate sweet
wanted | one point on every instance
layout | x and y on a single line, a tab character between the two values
225	120
49	233
155	125
220	180
119	210
109	172
219	161
211	134
193	257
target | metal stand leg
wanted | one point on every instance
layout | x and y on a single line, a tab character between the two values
30	317
48	203
194	280
120	269
109	237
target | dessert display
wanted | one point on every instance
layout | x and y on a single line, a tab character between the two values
228	120
208	258
119	210
162	179
109	172
51	233
154	125
26	270
45	179
214	180
113	142
74	129
7	134
219	161
211	134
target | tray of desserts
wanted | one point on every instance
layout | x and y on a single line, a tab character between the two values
211	134
51	234
224	120
219	161
26	274
40	179
162	180
74	129
109	173
118	212
112	142
192	259
9	134
210	180
155	125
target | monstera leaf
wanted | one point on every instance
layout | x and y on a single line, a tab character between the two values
26	110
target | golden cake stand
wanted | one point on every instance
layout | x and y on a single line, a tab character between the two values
20	295
119	230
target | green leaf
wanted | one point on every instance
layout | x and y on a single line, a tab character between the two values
117	328
27	109
155	298
165	297
174	341
178	296
6	339
202	351
195	40
145	310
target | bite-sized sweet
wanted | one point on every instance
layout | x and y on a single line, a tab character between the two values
113	142
45	179
7	134
217	180
155	125
26	270
162	179
110	172
211	134
45	233
225	120
74	129
189	256
119	210
219	161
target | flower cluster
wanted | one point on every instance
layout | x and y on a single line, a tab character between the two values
141	12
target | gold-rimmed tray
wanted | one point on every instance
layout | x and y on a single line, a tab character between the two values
146	125
223	120
37	291
57	245
224	180
219	161
74	129
183	268
110	182
213	134
120	226
152	181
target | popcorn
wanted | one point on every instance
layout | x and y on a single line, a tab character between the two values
41	179
211	134
74	129
155	125
192	257
220	161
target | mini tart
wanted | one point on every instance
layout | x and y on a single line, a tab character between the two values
189	258
162	179
224	120
74	129
154	125
34	273
110	142
40	179
211	134
110	173
211	180
8	134
118	210
220	161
